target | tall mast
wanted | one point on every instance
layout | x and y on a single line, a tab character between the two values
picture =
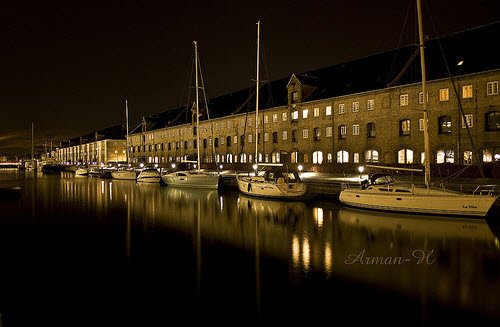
32	140
126	118
427	158
257	98
197	107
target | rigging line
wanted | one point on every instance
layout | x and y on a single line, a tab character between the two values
206	109
460	107
400	41
267	81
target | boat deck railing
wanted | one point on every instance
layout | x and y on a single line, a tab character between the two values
491	189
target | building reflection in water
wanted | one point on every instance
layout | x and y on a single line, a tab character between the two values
322	238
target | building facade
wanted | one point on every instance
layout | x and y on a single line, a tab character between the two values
382	126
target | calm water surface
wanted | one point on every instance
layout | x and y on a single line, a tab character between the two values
90	251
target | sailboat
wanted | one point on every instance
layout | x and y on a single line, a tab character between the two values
32	164
273	180
125	173
197	178
382	193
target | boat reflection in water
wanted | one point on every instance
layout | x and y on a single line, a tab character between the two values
448	261
209	249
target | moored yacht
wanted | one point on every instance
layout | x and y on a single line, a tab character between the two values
149	175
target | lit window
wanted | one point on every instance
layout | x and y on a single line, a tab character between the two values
355	157
295	115
285	135
370	104
421	124
316	112
404	127
421	97
355	129
317	157
444	94
371	156
355	106
266	119
305	113
405	156
284	116
469	119
445	156
275	118
468	157
342	156
305	133
249	138
266	137
403	100
467	91
341	108
328	110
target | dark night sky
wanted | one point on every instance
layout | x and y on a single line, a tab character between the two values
69	65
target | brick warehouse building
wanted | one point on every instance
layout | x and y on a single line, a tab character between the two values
367	110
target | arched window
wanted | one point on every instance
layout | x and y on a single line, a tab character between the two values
243	158
370	130
405	156
229	158
294	157
444	123
371	156
487	155
467	157
445	156
492	122
404	127
342	156
275	137
317	157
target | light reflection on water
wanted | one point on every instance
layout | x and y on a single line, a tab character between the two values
319	240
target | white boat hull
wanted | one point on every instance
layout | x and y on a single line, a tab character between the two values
420	200
205	181
149	177
81	172
124	174
258	186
